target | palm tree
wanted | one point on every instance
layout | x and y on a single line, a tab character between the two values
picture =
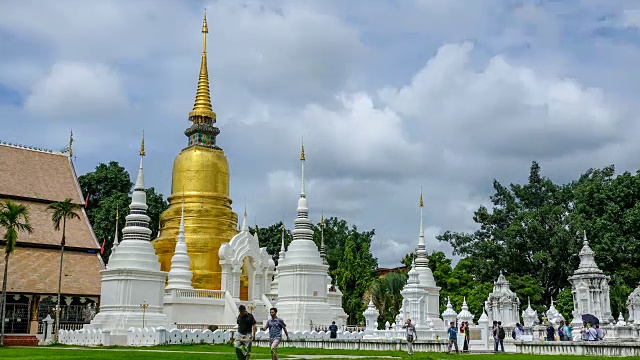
62	210
13	218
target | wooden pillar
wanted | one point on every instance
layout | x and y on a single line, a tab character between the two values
34	308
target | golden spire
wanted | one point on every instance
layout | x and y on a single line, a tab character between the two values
202	106
421	202
142	153
302	152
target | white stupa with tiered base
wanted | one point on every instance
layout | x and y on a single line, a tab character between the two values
590	288
425	275
302	275
133	284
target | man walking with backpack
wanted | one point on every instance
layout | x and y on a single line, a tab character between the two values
500	337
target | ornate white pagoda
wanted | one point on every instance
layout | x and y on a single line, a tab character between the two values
425	276
503	304
633	304
302	276
590	288
414	300
133	285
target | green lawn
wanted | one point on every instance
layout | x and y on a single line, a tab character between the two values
224	352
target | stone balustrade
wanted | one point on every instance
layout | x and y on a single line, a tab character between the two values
590	348
195	294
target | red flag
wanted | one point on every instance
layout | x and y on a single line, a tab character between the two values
102	248
86	201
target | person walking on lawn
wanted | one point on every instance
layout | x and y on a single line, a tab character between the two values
246	333
276	326
453	336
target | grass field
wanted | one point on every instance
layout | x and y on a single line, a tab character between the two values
225	352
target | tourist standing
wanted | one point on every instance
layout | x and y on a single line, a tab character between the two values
500	338
453	337
551	332
494	333
333	330
411	335
276	326
467	336
245	334
599	333
518	332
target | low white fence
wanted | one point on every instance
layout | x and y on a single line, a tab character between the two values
160	335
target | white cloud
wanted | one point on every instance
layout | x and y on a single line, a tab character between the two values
78	89
630	18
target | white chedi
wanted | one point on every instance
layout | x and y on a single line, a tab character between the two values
502	304
633	304
553	315
180	273
449	315
302	275
425	275
132	286
414	300
464	314
529	316
371	317
621	321
590	288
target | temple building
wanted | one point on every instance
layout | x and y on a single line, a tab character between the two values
590	288
35	178
201	183
503	304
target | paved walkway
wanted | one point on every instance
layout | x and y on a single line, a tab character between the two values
326	356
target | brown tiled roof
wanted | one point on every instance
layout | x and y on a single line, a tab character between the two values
78	234
36	271
37	175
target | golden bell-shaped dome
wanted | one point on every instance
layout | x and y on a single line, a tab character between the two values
201	181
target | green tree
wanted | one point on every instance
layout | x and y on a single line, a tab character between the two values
61	212
13	219
608	208
564	303
271	238
109	188
528	232
354	275
385	293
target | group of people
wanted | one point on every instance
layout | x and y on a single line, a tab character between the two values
247	332
452	334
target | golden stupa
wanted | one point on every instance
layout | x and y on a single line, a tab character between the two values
201	181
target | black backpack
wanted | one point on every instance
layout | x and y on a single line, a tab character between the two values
513	334
500	332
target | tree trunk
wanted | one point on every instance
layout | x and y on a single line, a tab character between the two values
55	334
4	297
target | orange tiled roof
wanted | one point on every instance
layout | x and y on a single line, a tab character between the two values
37	175
36	271
78	234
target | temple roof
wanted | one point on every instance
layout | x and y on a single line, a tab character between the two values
78	232
36	271
35	174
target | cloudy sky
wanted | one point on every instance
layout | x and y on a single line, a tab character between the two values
390	96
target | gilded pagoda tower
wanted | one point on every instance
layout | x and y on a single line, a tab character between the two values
200	181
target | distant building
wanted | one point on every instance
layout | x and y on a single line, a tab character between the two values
36	178
381	272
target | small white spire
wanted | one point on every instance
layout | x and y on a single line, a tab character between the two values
421	239
180	273
302	160
245	227
282	248
115	236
